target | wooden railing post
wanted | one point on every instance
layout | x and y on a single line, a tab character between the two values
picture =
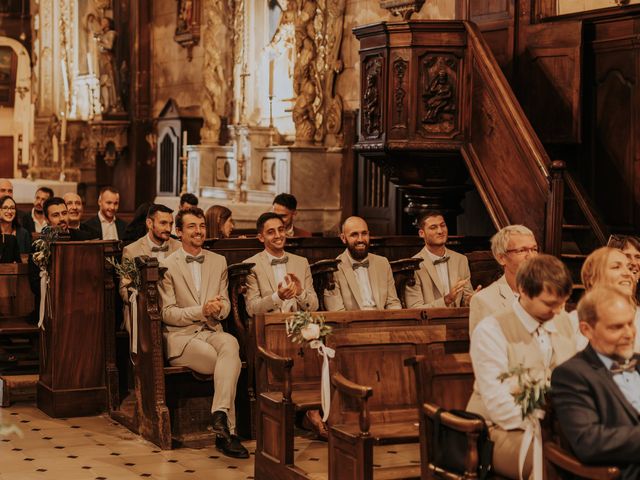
555	209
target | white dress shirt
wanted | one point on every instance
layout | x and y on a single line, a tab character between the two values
109	230
37	223
152	245
490	359
442	269
581	340
364	282
195	268
627	382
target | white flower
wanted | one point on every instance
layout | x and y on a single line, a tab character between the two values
311	331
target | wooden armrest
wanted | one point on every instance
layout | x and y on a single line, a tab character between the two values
282	366
559	457
412	361
453	421
349	388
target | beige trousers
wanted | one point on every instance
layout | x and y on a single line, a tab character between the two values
506	449
217	354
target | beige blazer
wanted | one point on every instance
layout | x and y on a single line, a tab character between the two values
428	291
182	306
346	294
261	284
490	301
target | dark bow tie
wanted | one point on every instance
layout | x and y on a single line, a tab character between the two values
628	366
199	259
363	264
164	248
444	259
279	261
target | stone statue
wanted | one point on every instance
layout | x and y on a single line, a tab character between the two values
438	98
109	84
304	73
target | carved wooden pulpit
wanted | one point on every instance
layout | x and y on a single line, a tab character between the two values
73	344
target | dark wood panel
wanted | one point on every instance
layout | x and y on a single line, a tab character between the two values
6	157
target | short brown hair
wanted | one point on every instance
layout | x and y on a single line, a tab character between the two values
108	188
544	271
426	214
195	211
596	298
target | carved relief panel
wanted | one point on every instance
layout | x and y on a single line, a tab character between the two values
438	109
400	93
373	89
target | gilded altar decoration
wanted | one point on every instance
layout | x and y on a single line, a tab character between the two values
187	32
402	8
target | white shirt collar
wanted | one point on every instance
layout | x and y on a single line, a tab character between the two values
271	257
103	218
433	256
530	323
151	243
184	253
353	261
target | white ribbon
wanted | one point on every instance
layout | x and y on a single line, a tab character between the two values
325	385
44	289
532	434
133	308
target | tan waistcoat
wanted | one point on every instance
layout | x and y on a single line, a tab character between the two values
522	349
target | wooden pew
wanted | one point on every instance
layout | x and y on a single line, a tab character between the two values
404	271
285	386
72	360
173	404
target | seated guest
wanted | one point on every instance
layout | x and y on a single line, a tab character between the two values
535	333
137	227
75	209
9	225
156	243
34	220
194	300
105	223
511	246
606	266
630	246
6	188
286	205
279	282
364	281
443	279
187	201
219	222
596	394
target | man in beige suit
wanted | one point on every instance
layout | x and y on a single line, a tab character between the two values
279	282
364	281
535	333
194	300
511	247
443	279
156	243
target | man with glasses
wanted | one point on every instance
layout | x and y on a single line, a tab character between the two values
443	279
511	246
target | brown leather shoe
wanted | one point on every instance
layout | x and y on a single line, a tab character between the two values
313	421
232	448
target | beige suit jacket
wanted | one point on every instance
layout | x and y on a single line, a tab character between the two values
182	306
261	285
140	248
428	291
346	294
490	301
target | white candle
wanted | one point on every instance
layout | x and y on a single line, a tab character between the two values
63	130
184	143
271	77
90	64
32	123
65	81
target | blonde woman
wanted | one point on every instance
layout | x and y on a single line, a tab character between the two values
607	266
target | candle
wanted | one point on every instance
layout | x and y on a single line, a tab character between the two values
271	77
63	130
32	123
184	143
89	64
65	81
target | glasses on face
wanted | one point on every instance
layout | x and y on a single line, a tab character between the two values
8	209
523	250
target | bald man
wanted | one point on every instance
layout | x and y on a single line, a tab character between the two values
75	208
364	281
6	188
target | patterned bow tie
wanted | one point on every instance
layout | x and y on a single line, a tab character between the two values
164	248
363	264
199	259
279	261
444	259
628	366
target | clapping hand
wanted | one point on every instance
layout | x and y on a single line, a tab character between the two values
287	289
213	307
450	298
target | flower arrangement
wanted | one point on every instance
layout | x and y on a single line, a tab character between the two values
7	429
128	272
528	390
42	245
303	327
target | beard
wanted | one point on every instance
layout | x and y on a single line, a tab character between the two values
358	254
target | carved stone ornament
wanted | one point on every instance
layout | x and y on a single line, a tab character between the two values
371	101
108	139
402	8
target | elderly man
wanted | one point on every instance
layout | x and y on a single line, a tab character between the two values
596	394
511	247
443	279
364	281
535	333
6	188
75	209
105	223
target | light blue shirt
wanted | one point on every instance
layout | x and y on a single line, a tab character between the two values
628	382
